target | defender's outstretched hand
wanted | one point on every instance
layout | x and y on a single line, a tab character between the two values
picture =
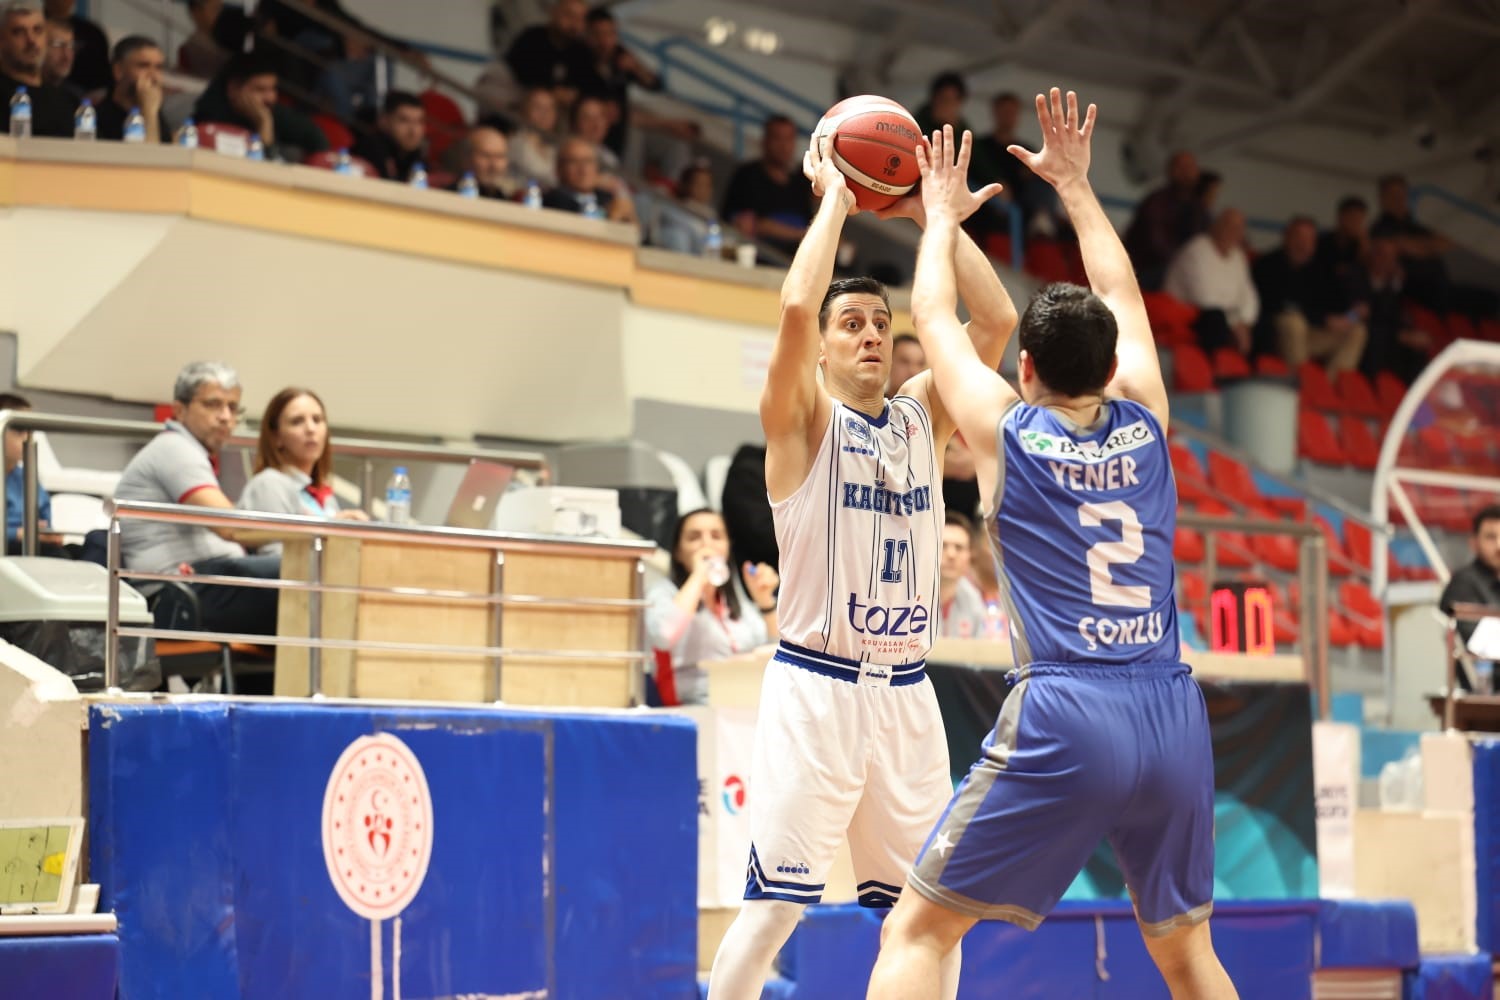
1065	140
945	181
819	168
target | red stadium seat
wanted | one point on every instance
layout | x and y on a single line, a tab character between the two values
1389	390
1340	632
1358	395
1436	447
329	160
1231	478
1315	440
1279	551
1489	329
1358	444
1230	364
1316	391
1191	371
1192	589
1366	614
1048	261
1187	546
1339	563
1284	615
1171	319
445	122
1231	548
1271	366
1461	327
1192	483
336	132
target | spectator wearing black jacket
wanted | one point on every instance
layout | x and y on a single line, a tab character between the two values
553	54
23	40
90	73
1304	314
400	133
1479	581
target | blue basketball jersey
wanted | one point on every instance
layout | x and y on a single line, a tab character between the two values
1081	525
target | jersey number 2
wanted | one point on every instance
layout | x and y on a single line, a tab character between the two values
1102	555
895	558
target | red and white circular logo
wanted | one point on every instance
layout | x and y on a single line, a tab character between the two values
377	826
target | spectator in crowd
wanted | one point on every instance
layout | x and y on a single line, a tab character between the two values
1304	313
485	153
1211	272
960	479
400	134
499	96
58	62
553	55
701	613
579	187
23	50
294	463
907	358
1478	582
1422	249
180	465
1344	249
89	73
1397	345
747	510
945	104
245	95
533	148
961	610
769	199
683	224
1040	213
1165	220
15	484
137	65
613	70
1210	184
219	31
589	120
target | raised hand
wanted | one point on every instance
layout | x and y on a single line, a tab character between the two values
945	180
819	168
1065	140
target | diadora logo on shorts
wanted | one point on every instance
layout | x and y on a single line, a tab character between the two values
898	621
734	794
1065	449
785	867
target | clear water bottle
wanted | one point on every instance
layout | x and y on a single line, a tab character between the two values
343	164
398	497
86	121
718	572
20	114
468	187
1484	676
533	197
187	136
591	207
418	177
135	126
256	150
713	242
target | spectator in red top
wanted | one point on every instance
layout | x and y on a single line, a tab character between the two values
1166	219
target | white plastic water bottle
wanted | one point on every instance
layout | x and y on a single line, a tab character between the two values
418	177
468	187
398	497
343	164
591	206
256	150
718	572
20	114
533	197
1484	676
187	136
135	126
713	242
86	121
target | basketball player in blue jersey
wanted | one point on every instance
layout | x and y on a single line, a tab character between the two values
1104	734
849	741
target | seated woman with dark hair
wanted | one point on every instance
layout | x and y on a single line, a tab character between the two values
701	614
294	462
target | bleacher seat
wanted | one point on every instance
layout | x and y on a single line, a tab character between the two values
1357	443
329	160
1047	260
1358	395
690	495
1284	615
1271	366
1187	546
1278	551
335	131
445	122
1489	329
1231	478
1191	371
1192	589
1315	440
1315	390
1365	613
1429	322
1171	319
76	514
715	471
1339	563
1389	391
1231	548
1461	327
1230	364
1359	544
1192	483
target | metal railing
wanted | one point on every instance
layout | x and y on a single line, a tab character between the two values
367	449
319	530
1312	565
1457	651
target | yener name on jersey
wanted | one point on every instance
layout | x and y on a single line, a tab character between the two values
1117	473
876	498
1065	449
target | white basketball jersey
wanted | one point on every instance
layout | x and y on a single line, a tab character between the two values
861	539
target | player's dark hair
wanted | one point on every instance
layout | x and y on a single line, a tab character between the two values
851	286
1489	513
1070	335
680	573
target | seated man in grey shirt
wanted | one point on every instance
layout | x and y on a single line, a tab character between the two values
180	465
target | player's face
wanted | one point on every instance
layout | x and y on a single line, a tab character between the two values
856	343
1487	544
702	532
302	432
956	556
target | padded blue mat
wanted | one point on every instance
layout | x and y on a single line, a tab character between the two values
1450	977
1487	841
75	966
1367	934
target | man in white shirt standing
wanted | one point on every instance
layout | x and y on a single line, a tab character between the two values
1212	273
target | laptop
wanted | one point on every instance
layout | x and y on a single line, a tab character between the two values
478	495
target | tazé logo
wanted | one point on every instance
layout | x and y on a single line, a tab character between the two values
793	868
734	794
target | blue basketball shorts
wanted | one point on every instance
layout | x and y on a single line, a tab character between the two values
1080	753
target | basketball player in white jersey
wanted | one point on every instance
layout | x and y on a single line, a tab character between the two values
849	739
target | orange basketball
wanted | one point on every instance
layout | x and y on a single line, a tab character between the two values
874	146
